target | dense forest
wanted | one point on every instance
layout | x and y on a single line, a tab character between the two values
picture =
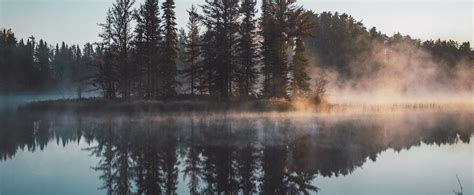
227	50
30	66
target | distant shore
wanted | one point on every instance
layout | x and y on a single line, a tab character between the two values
105	105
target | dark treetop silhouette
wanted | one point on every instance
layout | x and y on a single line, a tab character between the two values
227	52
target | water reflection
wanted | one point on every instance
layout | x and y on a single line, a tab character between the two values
229	155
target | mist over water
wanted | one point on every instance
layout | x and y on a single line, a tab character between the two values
238	152
399	72
277	100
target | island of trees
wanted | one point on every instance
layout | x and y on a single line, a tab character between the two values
227	51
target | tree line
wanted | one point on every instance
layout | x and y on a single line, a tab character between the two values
31	66
339	40
225	51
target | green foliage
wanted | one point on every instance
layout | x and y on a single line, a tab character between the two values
233	54
300	66
341	43
117	37
247	72
169	50
17	64
275	32
221	21
337	39
300	82
449	52
193	53
147	48
34	67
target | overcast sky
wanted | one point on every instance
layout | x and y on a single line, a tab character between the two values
75	21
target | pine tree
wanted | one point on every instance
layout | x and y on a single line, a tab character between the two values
269	34
42	55
300	19
106	66
168	70
42	64
207	70
209	52
8	61
36	66
56	72
192	49
78	70
29	63
121	38
247	72
221	21
122	14
115	71
88	59
300	82
180	62
148	39
63	65
276	29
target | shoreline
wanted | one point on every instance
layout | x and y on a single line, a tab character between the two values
100	105
152	106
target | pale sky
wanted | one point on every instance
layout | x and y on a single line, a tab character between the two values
75	21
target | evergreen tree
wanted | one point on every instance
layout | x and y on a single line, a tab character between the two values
42	55
266	23
78	70
221	21
37	66
88	59
282	23
300	19
209	53
115	71
247	72
337	39
9	58
27	64
106	75
121	37
300	82
122	14
192	52
42	68
168	70
148	39
275	46
62	65
55	64
180	62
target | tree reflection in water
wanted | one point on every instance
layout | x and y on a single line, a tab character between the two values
247	155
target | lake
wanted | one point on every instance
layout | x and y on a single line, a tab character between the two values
236	153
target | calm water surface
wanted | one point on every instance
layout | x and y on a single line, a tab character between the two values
410	153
